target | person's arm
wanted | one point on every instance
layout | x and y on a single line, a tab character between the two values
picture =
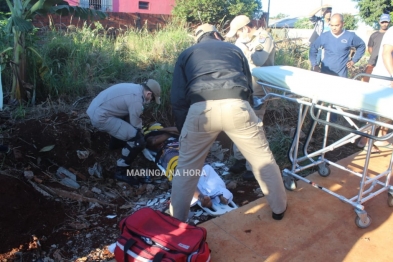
316	10
370	44
152	142
360	46
179	101
135	110
247	72
387	59
313	52
171	129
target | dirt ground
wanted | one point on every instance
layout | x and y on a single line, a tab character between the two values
41	219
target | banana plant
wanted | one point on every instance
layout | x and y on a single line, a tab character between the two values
20	23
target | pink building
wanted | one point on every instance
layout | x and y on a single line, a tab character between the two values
128	6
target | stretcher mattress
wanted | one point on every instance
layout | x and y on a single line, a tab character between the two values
335	90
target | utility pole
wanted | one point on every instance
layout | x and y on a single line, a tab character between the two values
268	12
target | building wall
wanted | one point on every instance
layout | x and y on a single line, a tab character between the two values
128	6
115	21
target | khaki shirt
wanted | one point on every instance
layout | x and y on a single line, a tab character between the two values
118	102
260	51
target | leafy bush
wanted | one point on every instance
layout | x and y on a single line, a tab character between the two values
214	11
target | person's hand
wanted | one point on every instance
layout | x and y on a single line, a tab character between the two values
316	69
350	64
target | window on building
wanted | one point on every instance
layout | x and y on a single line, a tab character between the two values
143	5
95	4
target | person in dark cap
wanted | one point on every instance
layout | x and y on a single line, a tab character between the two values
210	93
117	111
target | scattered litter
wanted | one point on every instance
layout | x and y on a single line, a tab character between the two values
78	226
36	187
28	174
111	216
225	173
47	148
69	182
240	191
196	221
216	150
198	213
63	172
162	200
218	164
96	190
82	154
110	195
150	188
126	206
96	170
152	202
244	202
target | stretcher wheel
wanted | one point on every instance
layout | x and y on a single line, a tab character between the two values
362	224
290	183
323	170
390	200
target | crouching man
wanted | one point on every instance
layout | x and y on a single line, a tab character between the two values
117	111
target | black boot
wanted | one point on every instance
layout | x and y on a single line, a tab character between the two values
122	175
279	216
239	166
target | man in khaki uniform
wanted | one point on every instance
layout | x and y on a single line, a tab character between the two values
210	93
259	49
117	111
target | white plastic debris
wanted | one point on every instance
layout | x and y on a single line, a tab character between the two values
82	154
63	172
96	190
96	170
111	216
216	150
218	164
28	174
67	178
198	213
152	202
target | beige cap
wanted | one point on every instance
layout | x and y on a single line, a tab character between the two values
237	23
204	29
154	86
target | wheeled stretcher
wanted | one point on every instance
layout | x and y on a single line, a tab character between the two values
321	95
205	185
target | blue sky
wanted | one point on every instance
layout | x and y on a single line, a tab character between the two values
295	8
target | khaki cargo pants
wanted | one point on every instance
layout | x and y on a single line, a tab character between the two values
205	120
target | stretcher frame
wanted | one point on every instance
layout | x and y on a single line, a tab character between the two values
368	188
